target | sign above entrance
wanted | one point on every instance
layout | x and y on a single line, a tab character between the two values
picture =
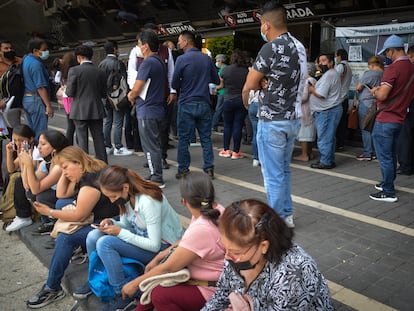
294	11
174	29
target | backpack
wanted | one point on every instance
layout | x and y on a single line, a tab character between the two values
12	84
117	88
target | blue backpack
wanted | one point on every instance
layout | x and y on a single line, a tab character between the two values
98	277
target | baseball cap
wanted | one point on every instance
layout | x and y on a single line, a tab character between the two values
392	42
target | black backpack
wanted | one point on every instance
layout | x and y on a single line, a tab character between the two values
117	88
12	84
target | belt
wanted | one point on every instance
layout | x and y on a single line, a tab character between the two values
30	94
201	283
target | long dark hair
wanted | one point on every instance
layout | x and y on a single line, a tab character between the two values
249	222
68	61
198	190
114	177
56	139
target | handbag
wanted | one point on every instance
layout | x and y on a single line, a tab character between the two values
70	227
368	120
59	95
353	115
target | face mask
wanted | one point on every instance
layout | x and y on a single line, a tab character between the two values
121	201
139	52
45	55
263	36
324	68
244	265
10	54
336	61
387	61
217	65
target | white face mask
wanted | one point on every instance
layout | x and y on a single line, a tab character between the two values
139	52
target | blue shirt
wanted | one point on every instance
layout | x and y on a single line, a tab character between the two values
192	73
35	74
153	107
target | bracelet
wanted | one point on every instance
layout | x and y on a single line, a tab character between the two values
50	213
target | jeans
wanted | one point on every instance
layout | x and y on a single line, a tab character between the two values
367	143
117	118
35	114
275	142
253	107
234	115
342	125
326	122
218	112
110	249
64	247
385	136
191	115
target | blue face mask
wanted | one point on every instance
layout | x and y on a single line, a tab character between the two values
336	61
45	55
263	36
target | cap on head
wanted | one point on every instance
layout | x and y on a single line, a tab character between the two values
392	42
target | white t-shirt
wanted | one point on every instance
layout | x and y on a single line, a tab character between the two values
329	87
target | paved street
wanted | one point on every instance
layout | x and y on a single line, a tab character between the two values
364	248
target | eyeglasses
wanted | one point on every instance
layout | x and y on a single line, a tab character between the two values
238	258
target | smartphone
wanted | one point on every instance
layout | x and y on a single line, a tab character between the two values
26	146
96	226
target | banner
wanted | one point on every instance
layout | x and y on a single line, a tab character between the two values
293	11
365	41
174	29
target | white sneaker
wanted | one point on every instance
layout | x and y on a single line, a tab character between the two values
256	163
289	221
18	223
122	152
109	150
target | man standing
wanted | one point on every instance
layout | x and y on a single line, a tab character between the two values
193	72
342	67
36	100
282	61
325	103
87	85
148	94
218	113
112	64
395	93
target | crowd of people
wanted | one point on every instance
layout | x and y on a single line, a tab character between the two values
234	257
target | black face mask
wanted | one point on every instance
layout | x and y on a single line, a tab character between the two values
324	68
244	265
9	54
121	201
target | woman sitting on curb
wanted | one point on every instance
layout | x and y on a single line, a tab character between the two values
78	180
147	225
200	251
264	269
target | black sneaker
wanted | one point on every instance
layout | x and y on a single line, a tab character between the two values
83	292
165	164
44	229
179	175
378	186
384	197
45	297
210	172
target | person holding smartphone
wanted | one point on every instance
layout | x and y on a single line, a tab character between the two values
370	78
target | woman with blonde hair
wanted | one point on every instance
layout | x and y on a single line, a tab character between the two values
78	180
370	78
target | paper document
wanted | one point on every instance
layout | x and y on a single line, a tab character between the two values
144	91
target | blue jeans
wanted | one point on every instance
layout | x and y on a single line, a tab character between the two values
367	142
385	136
117	119
191	115
253	107
35	114
275	142
326	122
218	113
234	115
64	247
110	249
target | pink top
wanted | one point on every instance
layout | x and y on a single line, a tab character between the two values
202	237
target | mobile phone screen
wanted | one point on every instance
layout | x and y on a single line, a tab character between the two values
96	226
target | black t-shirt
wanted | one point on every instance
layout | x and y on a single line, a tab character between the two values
103	208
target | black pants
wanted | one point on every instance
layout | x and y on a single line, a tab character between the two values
405	143
342	126
165	129
96	129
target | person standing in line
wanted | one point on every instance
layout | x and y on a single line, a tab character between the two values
87	85
282	60
116	117
342	67
218	113
148	94
370	78
405	144
389	121
36	99
326	107
193	72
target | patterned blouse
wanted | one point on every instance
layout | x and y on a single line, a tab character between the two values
294	284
